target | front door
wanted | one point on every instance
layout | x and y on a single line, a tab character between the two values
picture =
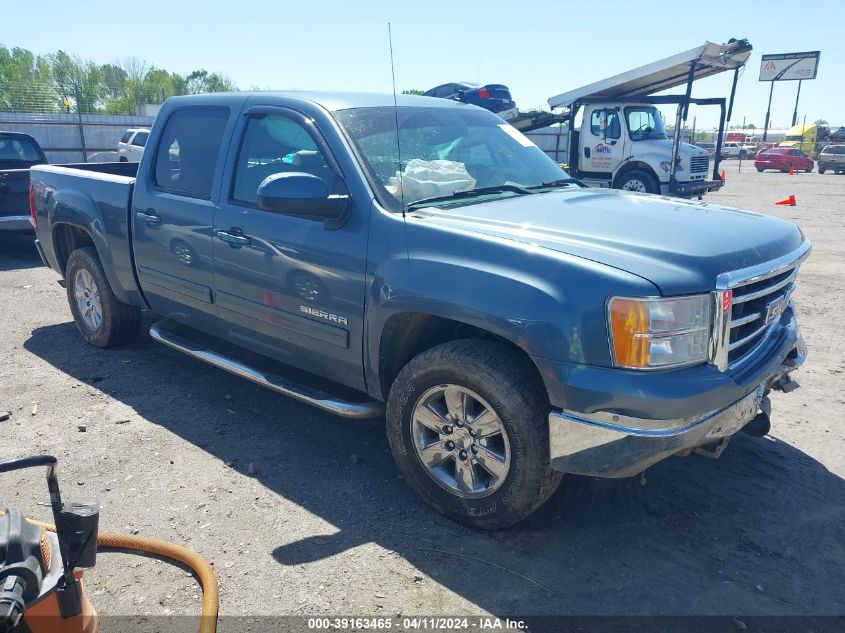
287	286
602	144
173	214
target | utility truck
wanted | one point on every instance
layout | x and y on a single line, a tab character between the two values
618	138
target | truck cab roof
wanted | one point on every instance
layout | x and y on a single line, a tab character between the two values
332	101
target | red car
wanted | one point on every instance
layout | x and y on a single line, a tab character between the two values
782	158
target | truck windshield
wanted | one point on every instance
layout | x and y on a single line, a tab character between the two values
19	153
445	151
644	123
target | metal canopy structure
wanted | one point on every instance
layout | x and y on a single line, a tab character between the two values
697	63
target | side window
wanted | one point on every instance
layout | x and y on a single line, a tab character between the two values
597	122
606	121
187	152
126	136
275	144
140	139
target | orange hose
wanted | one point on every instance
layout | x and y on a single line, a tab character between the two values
171	551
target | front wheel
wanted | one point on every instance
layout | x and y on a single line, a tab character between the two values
101	319
468	427
822	170
760	169
638	180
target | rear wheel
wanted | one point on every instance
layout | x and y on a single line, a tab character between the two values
822	170
468	428
760	169
810	168
101	319
638	180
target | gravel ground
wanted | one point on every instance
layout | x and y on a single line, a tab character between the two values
302	512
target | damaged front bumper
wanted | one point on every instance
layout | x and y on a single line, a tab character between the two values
605	444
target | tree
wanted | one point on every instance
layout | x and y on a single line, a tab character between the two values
821	122
76	80
25	82
200	81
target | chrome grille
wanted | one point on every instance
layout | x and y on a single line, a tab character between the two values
752	304
698	164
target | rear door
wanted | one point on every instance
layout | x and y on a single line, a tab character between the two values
173	212
287	286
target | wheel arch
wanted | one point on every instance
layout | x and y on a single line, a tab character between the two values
407	334
635	165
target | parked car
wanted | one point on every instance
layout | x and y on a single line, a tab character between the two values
517	324
710	148
18	152
494	97
783	159
832	157
737	150
837	136
130	148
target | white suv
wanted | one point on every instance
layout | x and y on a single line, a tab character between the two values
738	150
131	145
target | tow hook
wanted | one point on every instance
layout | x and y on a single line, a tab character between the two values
786	384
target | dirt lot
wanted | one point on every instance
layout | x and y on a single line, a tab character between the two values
303	512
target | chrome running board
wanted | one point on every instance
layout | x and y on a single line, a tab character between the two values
308	395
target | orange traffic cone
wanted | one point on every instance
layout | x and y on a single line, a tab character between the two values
791	170
723	176
790	201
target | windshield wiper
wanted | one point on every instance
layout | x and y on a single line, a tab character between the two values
563	182
471	193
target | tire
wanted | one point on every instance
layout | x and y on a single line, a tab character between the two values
123	159
822	170
638	180
496	382
760	169
810	168
743	155
786	169
118	322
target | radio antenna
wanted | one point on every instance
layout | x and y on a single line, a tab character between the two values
396	116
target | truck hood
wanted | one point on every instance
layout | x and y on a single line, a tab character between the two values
678	245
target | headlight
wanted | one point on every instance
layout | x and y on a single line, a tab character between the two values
656	333
667	166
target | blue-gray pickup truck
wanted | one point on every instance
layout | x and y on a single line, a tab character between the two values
424	261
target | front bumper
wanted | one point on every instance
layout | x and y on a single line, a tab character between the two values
693	188
605	444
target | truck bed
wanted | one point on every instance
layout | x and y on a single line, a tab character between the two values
93	197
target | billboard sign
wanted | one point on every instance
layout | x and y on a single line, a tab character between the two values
789	66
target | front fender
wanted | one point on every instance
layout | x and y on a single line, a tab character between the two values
549	304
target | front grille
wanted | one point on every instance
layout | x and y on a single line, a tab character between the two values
698	164
750	306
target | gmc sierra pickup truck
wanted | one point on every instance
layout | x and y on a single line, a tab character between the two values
347	251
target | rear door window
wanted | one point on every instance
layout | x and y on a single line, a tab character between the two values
140	139
187	152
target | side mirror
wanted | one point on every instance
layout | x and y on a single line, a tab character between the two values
303	195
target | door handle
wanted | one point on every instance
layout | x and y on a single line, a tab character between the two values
233	238
149	218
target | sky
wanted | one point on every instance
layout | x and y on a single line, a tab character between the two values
539	49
